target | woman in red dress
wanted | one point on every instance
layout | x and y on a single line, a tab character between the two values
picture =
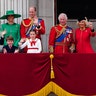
82	36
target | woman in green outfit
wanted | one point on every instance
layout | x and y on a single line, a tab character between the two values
11	28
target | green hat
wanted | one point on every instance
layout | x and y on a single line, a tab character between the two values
10	12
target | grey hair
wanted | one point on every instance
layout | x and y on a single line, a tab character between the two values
62	14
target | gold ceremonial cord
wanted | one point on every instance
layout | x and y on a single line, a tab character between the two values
61	31
31	23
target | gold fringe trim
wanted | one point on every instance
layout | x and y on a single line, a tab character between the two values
52	87
52	76
60	92
44	91
2	95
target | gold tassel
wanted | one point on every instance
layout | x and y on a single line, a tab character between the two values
52	71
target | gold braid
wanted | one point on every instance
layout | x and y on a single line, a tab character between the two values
59	32
31	23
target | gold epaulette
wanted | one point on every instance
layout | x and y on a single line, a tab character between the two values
27	25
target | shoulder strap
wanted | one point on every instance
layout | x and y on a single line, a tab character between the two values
59	32
39	20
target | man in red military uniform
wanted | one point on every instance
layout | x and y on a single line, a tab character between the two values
61	37
32	23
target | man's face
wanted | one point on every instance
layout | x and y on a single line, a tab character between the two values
32	12
62	20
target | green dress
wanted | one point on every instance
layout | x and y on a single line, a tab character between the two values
12	30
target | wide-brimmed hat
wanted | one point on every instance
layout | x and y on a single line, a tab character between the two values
10	12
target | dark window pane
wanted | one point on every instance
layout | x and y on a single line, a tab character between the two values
74	9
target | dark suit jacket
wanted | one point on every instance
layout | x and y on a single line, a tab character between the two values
10	50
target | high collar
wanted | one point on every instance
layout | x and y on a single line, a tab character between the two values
63	25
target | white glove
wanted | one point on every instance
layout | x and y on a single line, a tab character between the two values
3	33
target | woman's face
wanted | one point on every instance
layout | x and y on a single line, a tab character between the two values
10	18
82	24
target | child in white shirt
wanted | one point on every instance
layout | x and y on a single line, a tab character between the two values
33	44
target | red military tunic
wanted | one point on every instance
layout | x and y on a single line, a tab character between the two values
59	43
83	40
26	23
29	23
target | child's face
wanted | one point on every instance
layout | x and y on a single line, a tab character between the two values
10	42
32	35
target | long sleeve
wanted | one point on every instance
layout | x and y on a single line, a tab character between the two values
25	24
22	31
42	30
39	46
18	36
92	33
52	37
24	45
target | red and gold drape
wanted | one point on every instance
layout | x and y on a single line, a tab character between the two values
29	74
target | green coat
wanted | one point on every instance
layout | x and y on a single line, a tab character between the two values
13	30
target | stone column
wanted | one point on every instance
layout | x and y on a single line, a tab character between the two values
45	11
33	3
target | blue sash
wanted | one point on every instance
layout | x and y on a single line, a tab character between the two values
33	27
63	35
